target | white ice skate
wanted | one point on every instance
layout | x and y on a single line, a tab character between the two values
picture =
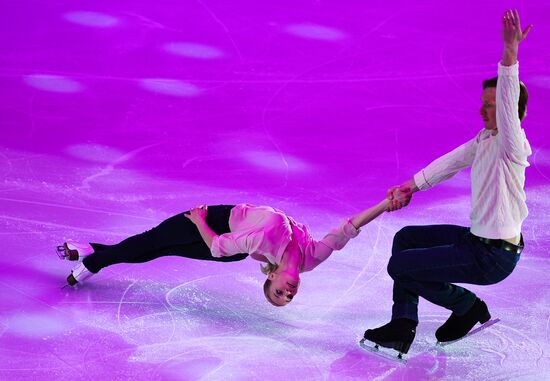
78	275
74	251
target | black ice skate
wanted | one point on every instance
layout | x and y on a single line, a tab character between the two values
398	334
458	327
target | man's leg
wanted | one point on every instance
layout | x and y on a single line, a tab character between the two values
432	254
408	253
428	272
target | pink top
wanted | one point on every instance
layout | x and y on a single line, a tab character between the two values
265	232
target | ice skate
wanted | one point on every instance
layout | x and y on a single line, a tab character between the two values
398	334
74	251
459	327
78	275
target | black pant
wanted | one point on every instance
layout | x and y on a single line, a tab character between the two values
175	236
426	259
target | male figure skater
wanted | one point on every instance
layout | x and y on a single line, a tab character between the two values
426	259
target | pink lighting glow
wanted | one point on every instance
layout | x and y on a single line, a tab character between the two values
116	115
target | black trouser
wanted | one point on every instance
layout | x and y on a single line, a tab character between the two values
426	260
175	236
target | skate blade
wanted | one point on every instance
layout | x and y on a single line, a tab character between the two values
473	332
67	286
374	348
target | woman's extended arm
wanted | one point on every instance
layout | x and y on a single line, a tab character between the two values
366	216
337	238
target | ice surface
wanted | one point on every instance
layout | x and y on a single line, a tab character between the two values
116	115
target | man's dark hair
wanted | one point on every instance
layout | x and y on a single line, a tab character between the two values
523	95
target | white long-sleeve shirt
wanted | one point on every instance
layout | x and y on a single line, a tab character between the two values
265	232
498	166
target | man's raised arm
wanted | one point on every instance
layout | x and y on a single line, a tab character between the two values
508	86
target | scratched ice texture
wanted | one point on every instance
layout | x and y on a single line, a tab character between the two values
117	114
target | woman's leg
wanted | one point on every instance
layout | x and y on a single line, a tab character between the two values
198	250
175	236
99	246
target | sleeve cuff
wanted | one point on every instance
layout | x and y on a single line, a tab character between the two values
215	248
508	71
340	236
349	230
421	182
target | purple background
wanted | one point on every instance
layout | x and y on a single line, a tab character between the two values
116	115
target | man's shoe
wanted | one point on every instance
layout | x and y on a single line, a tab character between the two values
398	334
457	327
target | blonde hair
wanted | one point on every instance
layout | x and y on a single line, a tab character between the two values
268	268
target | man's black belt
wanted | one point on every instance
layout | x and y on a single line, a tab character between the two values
502	244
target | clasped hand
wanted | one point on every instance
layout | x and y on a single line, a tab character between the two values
399	197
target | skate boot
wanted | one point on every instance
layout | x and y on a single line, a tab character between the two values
398	334
79	274
457	327
74	251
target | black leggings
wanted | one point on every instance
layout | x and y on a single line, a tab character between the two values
175	236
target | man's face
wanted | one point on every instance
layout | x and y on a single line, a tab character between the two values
488	109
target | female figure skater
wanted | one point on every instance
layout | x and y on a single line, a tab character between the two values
228	233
